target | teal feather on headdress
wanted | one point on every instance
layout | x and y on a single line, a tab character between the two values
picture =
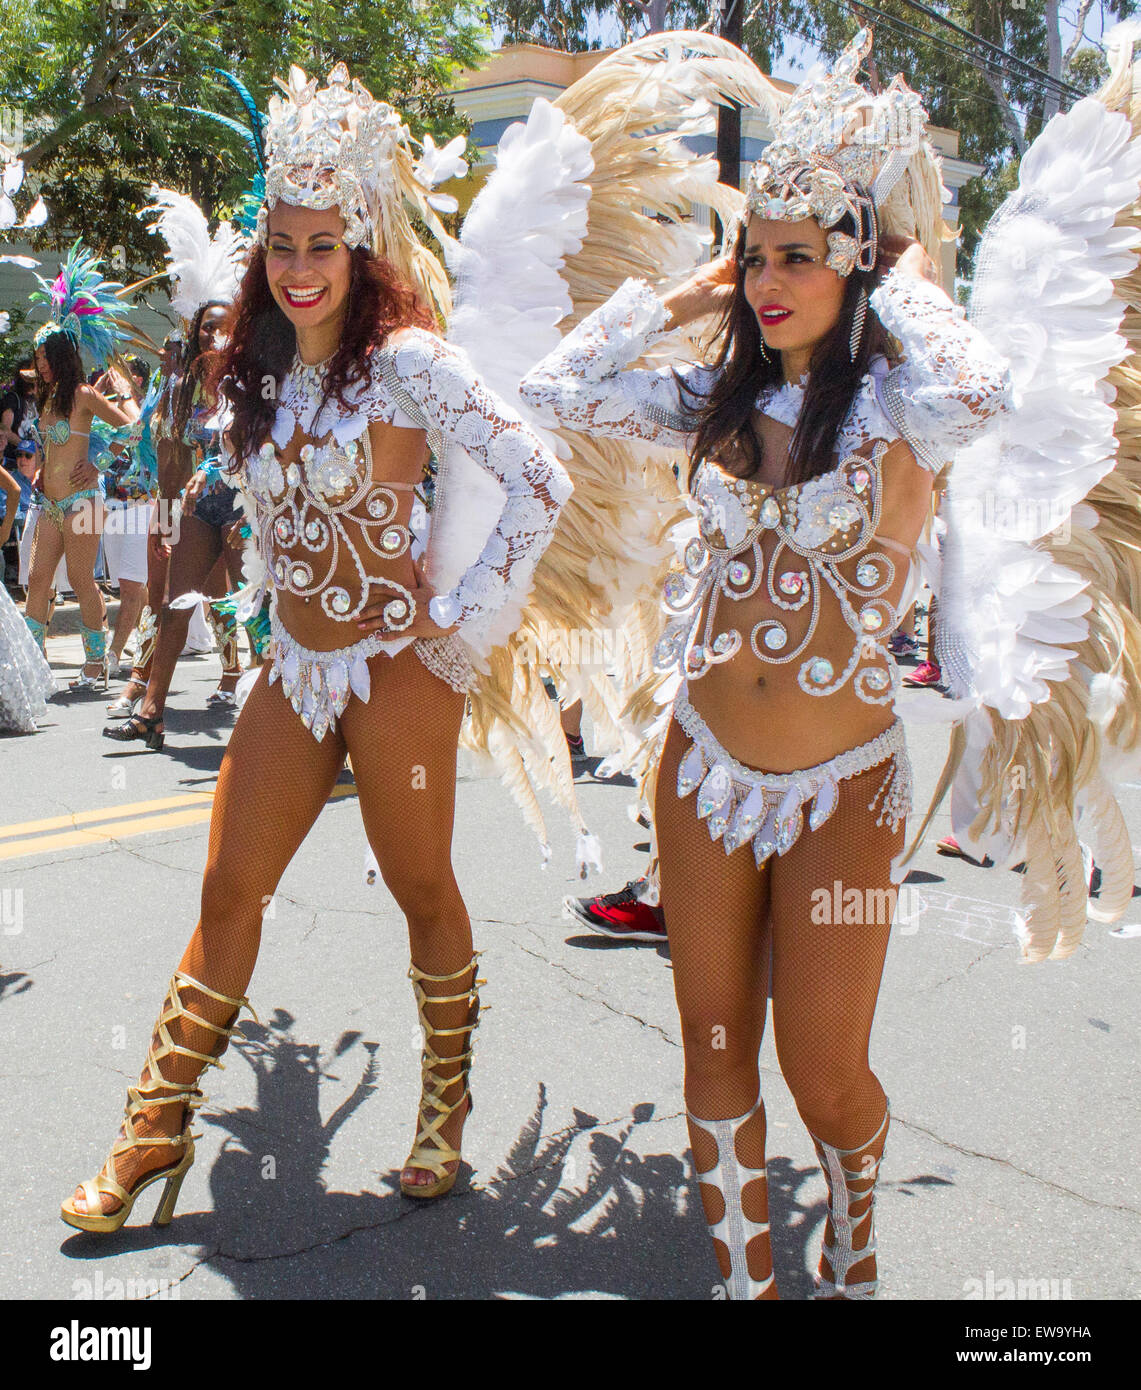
84	306
253	136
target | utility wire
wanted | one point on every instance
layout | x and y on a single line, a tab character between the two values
994	48
1053	85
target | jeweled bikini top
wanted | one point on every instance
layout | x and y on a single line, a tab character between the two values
421	383
817	526
59	432
306	505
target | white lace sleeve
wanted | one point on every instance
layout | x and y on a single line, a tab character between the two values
582	384
952	384
440	380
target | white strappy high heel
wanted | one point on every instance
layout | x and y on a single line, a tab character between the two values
730	1177
847	1189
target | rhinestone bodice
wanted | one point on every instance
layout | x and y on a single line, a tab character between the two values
827	514
316	512
814	527
322	526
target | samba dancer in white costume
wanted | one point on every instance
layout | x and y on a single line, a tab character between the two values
327	533
815	442
366	658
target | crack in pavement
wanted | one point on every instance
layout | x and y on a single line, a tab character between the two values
1022	1172
598	998
963	973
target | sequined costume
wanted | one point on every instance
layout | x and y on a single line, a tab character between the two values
310	515
790	540
810	562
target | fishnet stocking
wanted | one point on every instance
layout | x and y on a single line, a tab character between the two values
726	922
826	978
199	548
274	780
716	910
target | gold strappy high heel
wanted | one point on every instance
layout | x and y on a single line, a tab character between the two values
431	1151
147	1094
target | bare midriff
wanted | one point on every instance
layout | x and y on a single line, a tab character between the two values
61	460
398	458
756	708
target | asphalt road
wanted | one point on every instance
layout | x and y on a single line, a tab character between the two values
1012	1154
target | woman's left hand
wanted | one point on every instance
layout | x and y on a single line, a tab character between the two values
907	255
372	615
83	475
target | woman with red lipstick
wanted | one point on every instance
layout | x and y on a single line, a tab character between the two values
339	387
813	454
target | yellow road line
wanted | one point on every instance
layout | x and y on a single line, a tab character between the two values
116	824
117	830
137	808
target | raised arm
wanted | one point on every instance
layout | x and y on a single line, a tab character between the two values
459	409
95	403
586	384
951	384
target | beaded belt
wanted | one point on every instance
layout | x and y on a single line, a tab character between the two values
742	804
318	684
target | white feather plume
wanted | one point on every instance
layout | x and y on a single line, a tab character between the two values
201	267
1030	655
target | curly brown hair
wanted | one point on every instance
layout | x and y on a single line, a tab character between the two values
262	342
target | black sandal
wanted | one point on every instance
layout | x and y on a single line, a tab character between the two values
136	727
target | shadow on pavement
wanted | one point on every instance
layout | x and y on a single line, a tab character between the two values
630	1227
14	982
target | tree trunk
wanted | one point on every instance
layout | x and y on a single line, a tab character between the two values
655	13
1054	53
729	117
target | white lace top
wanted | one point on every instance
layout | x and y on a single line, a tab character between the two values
420	382
950	382
795	540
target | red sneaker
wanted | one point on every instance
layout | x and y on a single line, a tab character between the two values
950	846
621	915
926	673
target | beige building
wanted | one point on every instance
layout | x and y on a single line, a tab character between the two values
503	91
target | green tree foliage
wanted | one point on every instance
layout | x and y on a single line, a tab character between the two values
998	106
99	86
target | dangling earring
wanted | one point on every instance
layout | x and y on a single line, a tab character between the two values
858	324
764	351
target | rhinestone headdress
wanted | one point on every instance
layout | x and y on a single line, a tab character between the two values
839	151
336	146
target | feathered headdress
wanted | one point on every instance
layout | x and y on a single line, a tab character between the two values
253	136
201	268
84	306
837	148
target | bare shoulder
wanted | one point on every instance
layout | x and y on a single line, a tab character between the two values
907	484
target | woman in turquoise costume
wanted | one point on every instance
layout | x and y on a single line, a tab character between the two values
86	315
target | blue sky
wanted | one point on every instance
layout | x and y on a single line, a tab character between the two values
799	56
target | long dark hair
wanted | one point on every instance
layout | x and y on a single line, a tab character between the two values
67	376
262	342
195	361
725	417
